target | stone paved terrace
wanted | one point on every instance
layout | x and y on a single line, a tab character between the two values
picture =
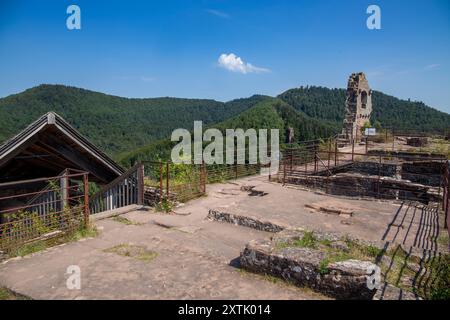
371	220
195	256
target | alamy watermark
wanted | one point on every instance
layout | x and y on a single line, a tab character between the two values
373	22
73	21
234	144
73	282
373	277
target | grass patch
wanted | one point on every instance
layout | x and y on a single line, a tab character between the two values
132	251
323	266
429	279
441	269
437	146
164	206
6	294
334	254
29	248
443	239
33	247
308	240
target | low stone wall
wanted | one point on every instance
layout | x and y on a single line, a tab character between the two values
417	141
244	221
152	196
302	267
424	172
374	168
308	266
404	155
358	185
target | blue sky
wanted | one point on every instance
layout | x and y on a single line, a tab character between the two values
172	48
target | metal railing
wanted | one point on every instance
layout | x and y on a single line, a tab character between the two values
125	190
415	177
42	208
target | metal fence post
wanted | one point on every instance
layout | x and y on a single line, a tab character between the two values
367	144
379	177
335	153
315	162
329	152
86	200
353	149
160	182
393	139
140	199
292	160
203	176
167	180
64	184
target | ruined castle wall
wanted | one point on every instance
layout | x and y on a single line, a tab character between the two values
358	106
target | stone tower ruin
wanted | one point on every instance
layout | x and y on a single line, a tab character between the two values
358	106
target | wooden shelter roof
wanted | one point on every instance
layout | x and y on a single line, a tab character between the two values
50	145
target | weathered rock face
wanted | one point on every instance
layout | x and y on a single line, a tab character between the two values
358	106
302	266
244	221
389	292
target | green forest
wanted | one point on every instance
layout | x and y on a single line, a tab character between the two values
329	104
137	129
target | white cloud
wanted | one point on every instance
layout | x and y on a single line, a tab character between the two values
234	63
432	66
218	13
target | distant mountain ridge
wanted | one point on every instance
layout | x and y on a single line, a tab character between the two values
329	104
123	126
115	124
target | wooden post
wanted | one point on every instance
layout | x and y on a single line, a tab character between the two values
86	200
284	172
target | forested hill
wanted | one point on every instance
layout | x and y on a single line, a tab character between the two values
113	123
123	126
329	104
270	113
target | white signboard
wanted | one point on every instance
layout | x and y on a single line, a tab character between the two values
370	131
